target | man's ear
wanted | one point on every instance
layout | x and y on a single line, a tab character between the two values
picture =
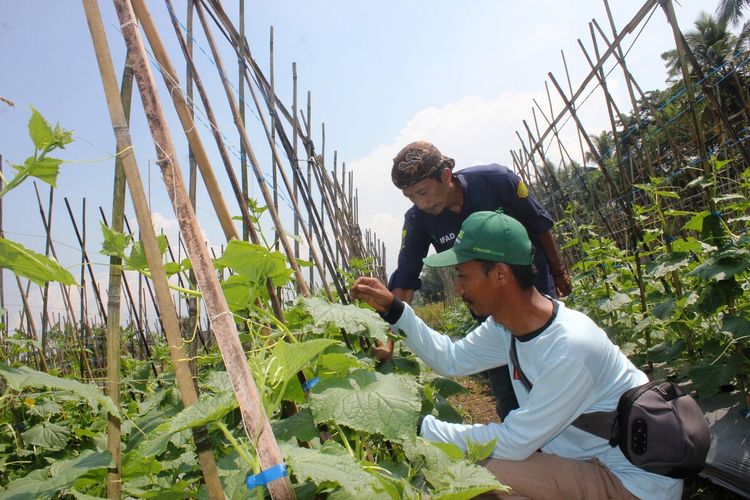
445	175
501	272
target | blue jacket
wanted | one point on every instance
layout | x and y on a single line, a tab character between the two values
485	187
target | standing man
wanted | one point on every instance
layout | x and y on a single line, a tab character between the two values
442	201
570	366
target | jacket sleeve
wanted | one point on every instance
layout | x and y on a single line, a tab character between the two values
414	247
483	348
560	394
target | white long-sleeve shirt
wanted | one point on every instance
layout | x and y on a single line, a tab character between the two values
574	369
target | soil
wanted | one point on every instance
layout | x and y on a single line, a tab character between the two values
478	407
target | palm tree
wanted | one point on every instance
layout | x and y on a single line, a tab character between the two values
730	11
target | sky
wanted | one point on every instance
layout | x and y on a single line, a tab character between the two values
380	74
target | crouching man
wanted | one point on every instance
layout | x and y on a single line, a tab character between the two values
570	364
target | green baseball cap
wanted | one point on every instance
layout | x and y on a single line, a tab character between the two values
491	236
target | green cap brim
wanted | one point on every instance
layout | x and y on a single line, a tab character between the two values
445	259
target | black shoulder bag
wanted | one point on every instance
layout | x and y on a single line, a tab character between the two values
657	426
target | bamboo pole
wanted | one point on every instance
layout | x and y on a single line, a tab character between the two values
301	283
114	478
137	194
256	423
85	261
630	27
240	195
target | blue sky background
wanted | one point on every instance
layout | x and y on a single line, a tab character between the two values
462	74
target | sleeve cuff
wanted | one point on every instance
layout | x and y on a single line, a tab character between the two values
393	314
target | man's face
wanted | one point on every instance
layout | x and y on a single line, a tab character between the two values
475	287
429	195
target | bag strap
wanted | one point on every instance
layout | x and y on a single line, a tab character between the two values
598	423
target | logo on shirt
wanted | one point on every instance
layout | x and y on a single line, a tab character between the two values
446	238
522	191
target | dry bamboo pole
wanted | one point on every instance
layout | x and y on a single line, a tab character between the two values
241	45
153	256
620	57
47	244
243	153
171	80
564	152
46	222
85	261
236	187
275	165
295	149
41	361
573	106
301	283
611	108
626	206
316	260
679	156
685	52
138	320
310	166
630	27
114	436
256	423
543	180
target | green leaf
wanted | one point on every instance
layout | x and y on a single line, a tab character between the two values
45	169
738	326
47	435
448	387
39	130
618	301
664	310
667	263
299	426
723	265
114	243
696	221
666	351
331	464
708	377
206	409
354	320
451	478
23	377
369	402
294	357
38	484
137	259
255	262
479	451
31	265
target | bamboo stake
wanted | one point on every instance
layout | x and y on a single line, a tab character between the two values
85	261
630	27
236	188
301	283
243	153
137	194
251	408
46	222
114	478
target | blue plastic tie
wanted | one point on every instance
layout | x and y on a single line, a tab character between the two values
670	239
307	386
264	477
716	213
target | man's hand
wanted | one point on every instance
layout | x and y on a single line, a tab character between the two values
372	291
562	282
